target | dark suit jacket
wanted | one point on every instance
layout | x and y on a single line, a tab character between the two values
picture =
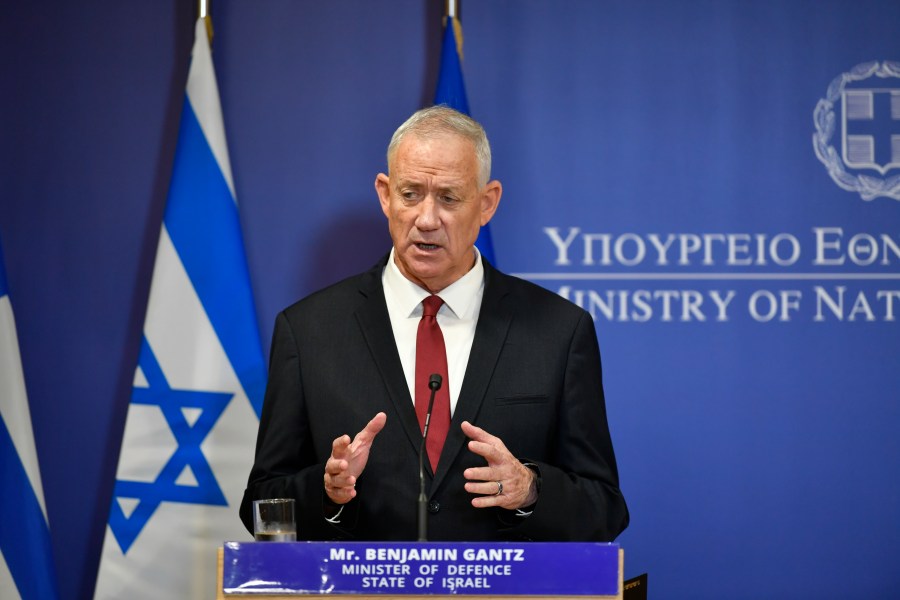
533	380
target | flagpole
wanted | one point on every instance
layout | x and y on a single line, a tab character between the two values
452	19
203	13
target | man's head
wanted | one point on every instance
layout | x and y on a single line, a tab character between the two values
437	195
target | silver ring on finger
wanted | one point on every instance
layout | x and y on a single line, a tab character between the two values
499	488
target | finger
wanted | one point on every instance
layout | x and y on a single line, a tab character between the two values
377	423
340	495
489	501
485	488
477	433
371	429
334	466
340	486
493	454
339	446
339	479
492	499
480	474
511	497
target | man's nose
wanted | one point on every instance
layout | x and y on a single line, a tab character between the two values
428	217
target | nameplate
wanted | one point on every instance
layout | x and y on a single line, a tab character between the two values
398	568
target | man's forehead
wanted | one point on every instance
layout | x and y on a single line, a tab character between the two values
415	142
447	151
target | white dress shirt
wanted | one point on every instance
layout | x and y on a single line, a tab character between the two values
457	318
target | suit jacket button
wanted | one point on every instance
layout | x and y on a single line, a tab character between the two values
434	506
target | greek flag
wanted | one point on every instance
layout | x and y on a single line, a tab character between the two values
199	382
26	560
451	90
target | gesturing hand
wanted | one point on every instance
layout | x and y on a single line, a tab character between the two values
348	459
505	481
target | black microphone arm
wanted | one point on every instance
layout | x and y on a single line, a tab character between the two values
434	384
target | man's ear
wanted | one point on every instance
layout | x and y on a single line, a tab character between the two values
383	188
490	200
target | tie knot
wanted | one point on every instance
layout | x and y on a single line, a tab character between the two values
431	305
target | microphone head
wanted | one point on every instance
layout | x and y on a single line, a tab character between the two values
434	382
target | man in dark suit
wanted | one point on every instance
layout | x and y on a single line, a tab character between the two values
519	447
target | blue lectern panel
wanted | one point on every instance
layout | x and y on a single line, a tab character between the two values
570	569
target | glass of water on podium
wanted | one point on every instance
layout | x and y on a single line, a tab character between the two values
273	520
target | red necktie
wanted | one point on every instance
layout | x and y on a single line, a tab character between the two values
431	357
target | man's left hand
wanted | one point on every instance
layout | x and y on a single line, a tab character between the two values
505	481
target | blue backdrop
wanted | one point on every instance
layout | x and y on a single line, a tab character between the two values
692	172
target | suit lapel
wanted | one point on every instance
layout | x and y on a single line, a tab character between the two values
375	325
494	320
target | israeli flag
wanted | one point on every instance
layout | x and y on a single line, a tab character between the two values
451	90
26	559
198	385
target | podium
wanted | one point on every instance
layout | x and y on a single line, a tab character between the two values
381	570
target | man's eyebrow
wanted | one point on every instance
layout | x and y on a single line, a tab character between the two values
454	186
407	182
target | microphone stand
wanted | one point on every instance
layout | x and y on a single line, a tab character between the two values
434	384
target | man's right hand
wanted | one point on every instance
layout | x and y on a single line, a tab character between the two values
348	459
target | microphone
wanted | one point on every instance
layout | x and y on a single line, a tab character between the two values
434	384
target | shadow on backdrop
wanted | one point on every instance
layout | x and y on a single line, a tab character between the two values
182	41
350	243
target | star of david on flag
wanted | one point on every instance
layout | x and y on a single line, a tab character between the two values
199	382
190	415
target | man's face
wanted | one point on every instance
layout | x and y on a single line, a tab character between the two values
435	207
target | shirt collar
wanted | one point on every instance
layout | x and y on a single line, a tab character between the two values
458	296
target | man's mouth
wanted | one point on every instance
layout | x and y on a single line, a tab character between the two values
422	246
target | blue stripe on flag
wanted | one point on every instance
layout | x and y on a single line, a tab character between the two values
202	220
24	535
485	243
451	90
